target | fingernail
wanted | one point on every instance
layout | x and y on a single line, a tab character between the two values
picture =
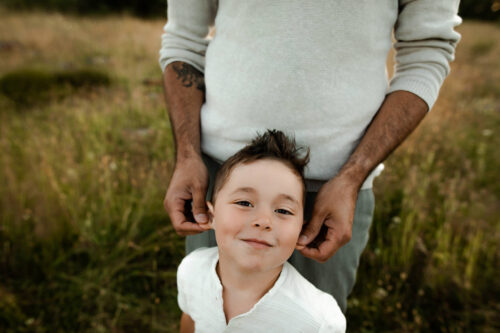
302	239
201	218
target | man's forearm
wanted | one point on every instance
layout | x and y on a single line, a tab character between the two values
184	89
398	116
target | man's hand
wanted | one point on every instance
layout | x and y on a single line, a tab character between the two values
184	94
330	226
189	182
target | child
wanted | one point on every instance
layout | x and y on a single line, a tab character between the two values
246	284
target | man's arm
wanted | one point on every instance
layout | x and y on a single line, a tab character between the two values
182	58
425	44
398	116
184	95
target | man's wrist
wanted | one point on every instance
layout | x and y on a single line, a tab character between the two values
398	116
354	173
187	153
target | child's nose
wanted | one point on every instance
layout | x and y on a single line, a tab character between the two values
263	222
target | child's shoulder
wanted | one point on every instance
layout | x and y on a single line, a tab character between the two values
203	254
319	304
200	259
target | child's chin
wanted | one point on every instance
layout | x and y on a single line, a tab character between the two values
251	264
258	266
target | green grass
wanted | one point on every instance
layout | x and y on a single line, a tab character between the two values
432	261
433	241
29	87
85	244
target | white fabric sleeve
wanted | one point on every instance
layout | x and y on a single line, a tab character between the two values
425	44
334	320
334	326
185	34
182	282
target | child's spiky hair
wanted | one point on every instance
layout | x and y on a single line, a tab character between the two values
274	145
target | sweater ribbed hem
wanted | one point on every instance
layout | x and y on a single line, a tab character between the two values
422	89
313	185
165	61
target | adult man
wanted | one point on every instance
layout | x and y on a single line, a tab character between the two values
315	68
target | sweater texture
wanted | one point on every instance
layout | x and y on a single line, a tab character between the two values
313	69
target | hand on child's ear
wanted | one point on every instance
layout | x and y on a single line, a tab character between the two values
206	226
211	219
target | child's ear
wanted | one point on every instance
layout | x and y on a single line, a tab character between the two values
211	219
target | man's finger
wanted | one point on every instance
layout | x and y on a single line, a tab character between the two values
199	205
311	229
189	228
175	210
182	226
310	252
180	222
325	250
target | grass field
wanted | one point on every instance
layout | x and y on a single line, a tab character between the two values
85	245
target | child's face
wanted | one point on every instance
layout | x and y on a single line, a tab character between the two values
258	215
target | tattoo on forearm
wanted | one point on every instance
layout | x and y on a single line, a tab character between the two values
189	75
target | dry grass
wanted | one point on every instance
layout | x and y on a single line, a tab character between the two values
431	264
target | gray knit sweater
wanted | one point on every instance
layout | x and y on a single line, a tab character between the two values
315	69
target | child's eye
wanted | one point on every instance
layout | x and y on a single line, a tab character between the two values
283	211
244	203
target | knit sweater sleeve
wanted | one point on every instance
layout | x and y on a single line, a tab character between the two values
425	44
185	33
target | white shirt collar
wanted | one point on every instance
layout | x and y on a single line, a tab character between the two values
218	285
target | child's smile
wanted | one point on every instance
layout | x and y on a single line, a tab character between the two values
258	215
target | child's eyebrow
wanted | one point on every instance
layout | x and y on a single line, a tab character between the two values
288	198
283	196
244	189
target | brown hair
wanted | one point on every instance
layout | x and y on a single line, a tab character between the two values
274	145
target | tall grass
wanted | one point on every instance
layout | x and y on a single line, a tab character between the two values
85	244
431	263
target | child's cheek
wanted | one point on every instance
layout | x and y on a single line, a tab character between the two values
289	235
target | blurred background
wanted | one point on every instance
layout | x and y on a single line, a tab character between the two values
86	153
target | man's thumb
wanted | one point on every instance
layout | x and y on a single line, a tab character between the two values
310	231
199	207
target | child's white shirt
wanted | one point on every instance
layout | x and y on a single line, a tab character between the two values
293	304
